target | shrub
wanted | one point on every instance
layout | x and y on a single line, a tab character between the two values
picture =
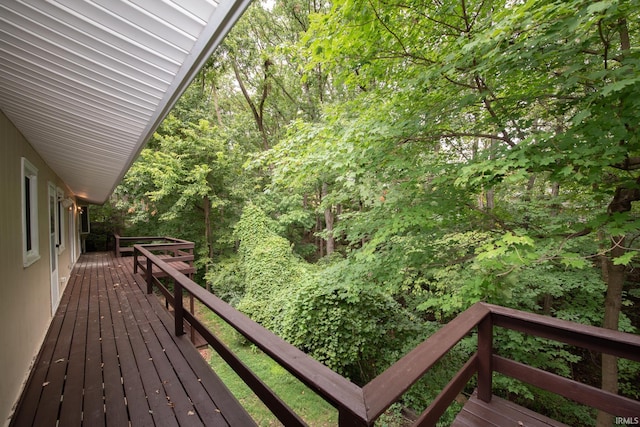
352	327
268	267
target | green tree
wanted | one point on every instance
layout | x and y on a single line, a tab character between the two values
191	173
268	267
449	152
527	109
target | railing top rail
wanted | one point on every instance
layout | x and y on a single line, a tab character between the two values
175	240
162	246
150	238
602	340
139	238
387	387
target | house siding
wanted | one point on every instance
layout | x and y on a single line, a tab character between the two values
25	292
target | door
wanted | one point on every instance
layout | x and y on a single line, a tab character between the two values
53	247
72	234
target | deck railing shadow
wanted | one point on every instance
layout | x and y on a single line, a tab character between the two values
361	406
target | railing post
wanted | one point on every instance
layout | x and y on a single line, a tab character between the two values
485	355
149	276
117	243
192	311
179	309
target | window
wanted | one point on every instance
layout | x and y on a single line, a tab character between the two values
30	244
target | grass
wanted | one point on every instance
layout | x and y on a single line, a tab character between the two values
308	405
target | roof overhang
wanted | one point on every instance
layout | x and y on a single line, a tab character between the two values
88	82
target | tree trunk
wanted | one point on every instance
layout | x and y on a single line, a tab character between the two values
615	274
328	220
491	204
555	192
257	111
208	235
491	195
319	241
216	103
319	228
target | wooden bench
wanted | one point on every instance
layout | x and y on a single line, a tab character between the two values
500	413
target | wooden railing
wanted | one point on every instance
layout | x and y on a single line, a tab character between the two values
124	245
170	249
361	406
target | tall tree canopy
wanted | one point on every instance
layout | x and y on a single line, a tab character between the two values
530	108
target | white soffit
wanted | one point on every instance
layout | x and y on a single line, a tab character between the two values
88	82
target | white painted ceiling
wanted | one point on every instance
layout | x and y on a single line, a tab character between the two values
88	82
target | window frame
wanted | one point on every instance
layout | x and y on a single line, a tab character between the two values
61	236
29	204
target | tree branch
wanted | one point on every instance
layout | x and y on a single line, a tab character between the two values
497	220
456	30
629	164
257	115
453	134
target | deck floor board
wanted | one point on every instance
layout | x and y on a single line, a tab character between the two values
93	402
53	385
110	358
201	391
116	346
499	413
74	378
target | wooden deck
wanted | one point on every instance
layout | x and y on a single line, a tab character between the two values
500	413
110	358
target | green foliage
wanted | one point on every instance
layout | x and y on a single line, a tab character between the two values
270	271
352	327
629	373
344	322
312	408
420	395
227	280
461	152
184	181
